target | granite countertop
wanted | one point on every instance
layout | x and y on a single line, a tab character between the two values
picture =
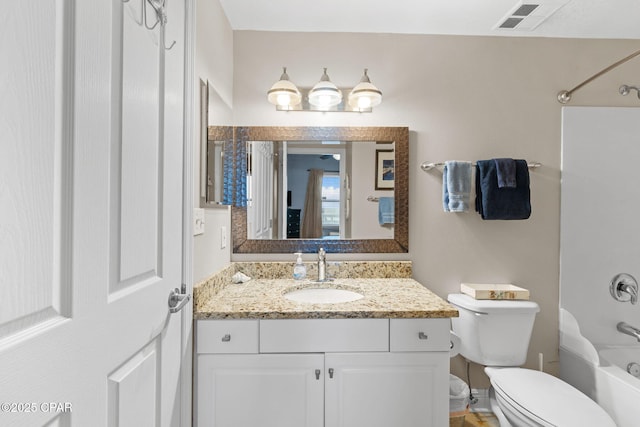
383	298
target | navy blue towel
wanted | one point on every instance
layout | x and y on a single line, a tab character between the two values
506	170
493	202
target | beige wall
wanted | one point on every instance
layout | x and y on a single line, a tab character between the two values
213	63
363	166
464	98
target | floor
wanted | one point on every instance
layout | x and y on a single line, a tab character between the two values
481	419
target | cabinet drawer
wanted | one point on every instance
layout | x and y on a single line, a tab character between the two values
323	335
420	334
227	336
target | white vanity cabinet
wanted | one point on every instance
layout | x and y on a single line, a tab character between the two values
254	390
387	389
322	372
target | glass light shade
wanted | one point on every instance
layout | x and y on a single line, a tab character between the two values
365	94
283	92
325	94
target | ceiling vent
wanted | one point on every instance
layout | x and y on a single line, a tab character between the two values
525	9
527	16
511	22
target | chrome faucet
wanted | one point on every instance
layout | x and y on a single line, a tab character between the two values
627	329
630	289
322	265
624	287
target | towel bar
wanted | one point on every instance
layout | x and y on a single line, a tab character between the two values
426	166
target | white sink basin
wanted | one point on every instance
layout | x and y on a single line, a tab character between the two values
322	295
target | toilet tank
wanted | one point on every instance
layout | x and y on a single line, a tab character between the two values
493	332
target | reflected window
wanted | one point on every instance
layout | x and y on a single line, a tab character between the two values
331	206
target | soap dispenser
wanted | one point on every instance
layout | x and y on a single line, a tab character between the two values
299	270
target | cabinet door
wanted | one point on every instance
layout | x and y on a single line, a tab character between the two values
266	390
387	389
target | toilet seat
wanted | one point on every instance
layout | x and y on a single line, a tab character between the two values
545	399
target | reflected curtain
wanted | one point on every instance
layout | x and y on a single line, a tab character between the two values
312	214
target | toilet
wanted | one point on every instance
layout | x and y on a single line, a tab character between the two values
496	334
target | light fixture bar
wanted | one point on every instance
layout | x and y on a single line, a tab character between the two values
324	96
343	106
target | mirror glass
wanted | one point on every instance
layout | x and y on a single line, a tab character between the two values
216	149
344	189
318	190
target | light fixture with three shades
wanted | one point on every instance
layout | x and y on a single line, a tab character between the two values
324	95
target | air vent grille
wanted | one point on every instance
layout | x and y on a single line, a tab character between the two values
511	22
525	9
527	16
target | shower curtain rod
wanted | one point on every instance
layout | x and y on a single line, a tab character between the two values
565	95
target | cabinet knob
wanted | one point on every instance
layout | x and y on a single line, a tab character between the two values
422	336
226	338
330	372
317	374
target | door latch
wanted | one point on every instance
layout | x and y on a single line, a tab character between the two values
177	300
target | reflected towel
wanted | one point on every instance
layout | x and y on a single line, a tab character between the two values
493	202
386	210
456	186
506	170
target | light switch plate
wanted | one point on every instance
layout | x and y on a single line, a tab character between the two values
198	221
223	237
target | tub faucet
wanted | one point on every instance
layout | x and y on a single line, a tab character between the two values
623	288
627	329
322	265
632	290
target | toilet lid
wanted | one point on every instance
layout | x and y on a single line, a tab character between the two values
547	398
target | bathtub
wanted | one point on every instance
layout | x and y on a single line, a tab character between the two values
600	371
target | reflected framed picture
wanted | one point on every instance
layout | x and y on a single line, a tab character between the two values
385	169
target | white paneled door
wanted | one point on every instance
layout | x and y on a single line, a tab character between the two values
91	139
261	195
